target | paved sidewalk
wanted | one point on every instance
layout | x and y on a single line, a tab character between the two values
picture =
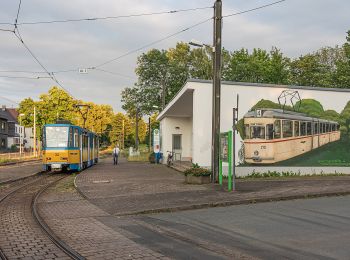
14	172
132	188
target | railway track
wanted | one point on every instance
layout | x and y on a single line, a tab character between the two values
23	232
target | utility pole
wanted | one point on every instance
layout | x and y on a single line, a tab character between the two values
216	90
123	133
150	134
34	129
137	129
163	93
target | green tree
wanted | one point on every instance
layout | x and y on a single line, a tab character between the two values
342	75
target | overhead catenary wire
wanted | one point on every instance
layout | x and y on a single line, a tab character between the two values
115	73
19	37
23	77
10	100
153	43
51	75
253	9
112	17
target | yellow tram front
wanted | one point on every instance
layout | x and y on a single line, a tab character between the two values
68	147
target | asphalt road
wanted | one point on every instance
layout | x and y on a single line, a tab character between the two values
300	229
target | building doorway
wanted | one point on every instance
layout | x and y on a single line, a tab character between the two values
177	147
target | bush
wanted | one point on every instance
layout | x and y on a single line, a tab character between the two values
197	171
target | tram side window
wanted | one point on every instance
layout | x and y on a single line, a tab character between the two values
338	127
287	128
269	131
257	132
309	132
296	128
76	138
70	141
277	129
302	128
316	128
246	131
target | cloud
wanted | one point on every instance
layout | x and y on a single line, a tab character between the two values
296	27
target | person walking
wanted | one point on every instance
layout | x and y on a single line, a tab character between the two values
115	155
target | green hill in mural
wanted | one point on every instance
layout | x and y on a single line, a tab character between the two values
332	154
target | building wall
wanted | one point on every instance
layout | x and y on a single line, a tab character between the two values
168	127
202	119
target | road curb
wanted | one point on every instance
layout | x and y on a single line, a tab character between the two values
78	190
233	203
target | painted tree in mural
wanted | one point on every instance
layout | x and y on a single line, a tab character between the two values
345	118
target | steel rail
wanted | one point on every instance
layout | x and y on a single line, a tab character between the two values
2	254
55	239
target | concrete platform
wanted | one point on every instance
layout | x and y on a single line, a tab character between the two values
135	188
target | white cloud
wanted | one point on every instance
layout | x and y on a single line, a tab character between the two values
296	27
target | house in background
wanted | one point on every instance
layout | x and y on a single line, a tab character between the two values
15	133
3	130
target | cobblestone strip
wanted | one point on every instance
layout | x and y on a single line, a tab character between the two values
76	221
20	236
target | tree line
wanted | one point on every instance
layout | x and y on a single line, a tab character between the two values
162	73
113	128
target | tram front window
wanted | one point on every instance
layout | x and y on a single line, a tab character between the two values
257	132
56	136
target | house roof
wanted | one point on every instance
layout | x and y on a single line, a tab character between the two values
13	114
4	115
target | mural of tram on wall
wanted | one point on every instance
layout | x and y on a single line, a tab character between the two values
273	135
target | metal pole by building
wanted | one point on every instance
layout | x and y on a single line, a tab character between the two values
216	90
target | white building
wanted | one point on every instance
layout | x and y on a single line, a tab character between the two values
186	127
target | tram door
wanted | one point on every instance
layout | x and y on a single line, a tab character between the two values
177	147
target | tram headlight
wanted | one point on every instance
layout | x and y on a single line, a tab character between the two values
256	153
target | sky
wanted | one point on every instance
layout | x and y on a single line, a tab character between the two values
297	27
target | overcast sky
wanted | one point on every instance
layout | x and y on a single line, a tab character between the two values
295	26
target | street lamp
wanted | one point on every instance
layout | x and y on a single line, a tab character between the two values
20	134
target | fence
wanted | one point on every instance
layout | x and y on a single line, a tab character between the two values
17	156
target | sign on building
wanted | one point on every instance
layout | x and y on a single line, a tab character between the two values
156	141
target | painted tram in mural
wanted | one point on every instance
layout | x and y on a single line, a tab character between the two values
273	135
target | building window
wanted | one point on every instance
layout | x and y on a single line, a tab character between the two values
3	143
3	126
